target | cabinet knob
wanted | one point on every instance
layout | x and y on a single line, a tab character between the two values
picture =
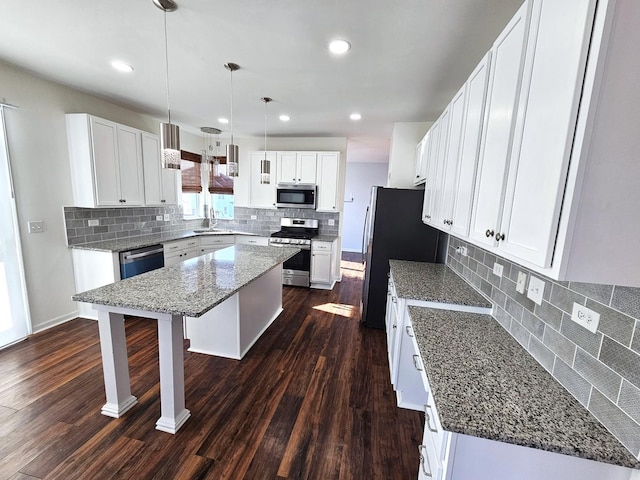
427	216
162	201
499	236
489	233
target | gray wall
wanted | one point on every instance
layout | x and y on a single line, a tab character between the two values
601	370
360	177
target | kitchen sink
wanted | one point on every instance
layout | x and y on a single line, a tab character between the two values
213	231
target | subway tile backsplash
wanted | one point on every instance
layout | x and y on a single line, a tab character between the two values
132	222
601	370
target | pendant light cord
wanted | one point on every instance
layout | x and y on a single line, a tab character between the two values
231	106
265	130
166	62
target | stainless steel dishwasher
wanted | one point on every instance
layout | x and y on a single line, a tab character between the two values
141	260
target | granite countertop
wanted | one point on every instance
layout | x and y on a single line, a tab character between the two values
192	287
129	243
433	282
486	385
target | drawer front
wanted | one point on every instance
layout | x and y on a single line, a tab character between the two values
251	240
180	245
433	426
217	240
430	467
321	246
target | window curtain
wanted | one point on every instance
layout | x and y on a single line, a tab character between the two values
220	183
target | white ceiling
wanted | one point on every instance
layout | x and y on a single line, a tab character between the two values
408	58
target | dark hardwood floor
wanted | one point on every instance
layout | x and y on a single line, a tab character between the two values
311	400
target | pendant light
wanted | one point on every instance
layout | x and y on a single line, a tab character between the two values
169	133
265	165
208	155
232	149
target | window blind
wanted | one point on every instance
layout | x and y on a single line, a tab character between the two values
190	171
220	183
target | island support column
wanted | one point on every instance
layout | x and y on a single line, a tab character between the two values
170	346
113	345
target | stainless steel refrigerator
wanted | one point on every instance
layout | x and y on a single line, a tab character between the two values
393	229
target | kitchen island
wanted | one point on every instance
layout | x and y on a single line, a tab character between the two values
192	289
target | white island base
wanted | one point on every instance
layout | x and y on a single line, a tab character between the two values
232	327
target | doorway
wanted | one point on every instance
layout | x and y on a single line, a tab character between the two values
14	312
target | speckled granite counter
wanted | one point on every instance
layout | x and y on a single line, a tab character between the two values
433	282
129	243
486	385
194	286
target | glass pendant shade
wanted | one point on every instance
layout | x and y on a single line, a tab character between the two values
265	171
170	145
232	160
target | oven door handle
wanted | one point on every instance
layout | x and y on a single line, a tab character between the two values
301	247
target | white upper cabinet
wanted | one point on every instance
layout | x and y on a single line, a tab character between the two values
545	127
160	184
420	171
296	167
451	159
328	176
106	162
434	180
507	56
431	167
261	195
476	91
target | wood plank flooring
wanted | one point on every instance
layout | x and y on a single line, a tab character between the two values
311	400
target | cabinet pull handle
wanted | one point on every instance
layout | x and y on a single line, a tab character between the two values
394	299
408	330
499	236
427	217
489	233
428	418
395	326
416	362
422	459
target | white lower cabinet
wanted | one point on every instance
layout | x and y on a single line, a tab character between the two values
252	240
323	264
180	250
212	243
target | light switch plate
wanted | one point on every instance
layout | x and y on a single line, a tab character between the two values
585	317
254	217
462	251
497	269
93	223
522	281
158	218
332	222
535	290
167	217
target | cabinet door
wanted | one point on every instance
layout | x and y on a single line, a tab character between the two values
441	159
321	267
431	169
504	84
419	172
287	167
450	171
261	195
327	176
306	167
152	169
552	82
130	166
469	146
106	173
169	186
413	395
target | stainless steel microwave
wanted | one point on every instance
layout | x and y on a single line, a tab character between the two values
296	195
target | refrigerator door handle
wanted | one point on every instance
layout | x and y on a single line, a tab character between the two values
364	234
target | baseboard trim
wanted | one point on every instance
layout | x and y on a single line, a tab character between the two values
54	322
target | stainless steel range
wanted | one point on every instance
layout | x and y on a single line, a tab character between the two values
297	232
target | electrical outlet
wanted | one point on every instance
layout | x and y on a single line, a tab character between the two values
535	290
254	217
167	217
35	226
585	317
158	218
332	222
93	223
522	281
497	269
463	251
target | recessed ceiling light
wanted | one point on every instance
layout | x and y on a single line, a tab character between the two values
121	66
355	116
285	118
223	120
339	46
